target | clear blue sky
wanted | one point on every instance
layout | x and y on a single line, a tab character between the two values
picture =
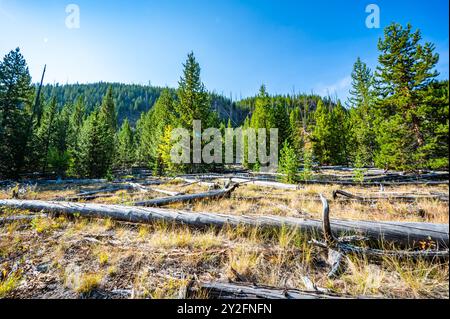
306	45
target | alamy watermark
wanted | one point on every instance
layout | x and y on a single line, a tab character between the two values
373	19
207	146
73	16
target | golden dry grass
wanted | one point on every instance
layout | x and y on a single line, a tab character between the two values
155	261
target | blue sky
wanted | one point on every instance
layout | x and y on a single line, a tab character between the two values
309	46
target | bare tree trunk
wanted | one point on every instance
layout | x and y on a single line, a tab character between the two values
215	194
401	233
218	290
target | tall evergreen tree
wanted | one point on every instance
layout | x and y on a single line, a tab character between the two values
77	116
108	121
94	147
46	131
362	114
339	135
58	155
108	110
125	152
289	164
16	93
322	134
193	101
434	112
151	127
406	69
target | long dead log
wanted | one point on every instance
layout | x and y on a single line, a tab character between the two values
19	218
405	198
214	194
401	233
87	195
372	184
269	184
218	290
338	248
190	181
145	189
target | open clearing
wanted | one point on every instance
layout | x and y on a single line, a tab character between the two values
58	256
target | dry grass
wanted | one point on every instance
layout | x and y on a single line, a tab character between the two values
79	256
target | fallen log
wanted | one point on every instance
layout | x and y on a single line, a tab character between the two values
402	178
214	194
218	290
260	183
144	189
400	233
78	198
19	218
372	184
405	198
66	181
339	248
98	193
190	181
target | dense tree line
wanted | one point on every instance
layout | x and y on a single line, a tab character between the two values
396	118
132	99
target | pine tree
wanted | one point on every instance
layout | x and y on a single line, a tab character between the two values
322	134
339	135
362	138
263	117
15	104
152	125
289	164
94	147
46	132
165	163
58	154
108	110
76	121
193	101
296	132
125	153
108	121
406	69
77	116
434	112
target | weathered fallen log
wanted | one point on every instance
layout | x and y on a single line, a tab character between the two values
80	197
19	218
190	181
98	193
66	181
145	189
218	290
372	184
339	248
214	194
260	183
402	178
400	233
405	198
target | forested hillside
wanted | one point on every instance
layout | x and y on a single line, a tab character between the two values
131	99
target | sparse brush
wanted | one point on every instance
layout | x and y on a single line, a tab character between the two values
8	284
46	224
242	263
89	282
103	258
